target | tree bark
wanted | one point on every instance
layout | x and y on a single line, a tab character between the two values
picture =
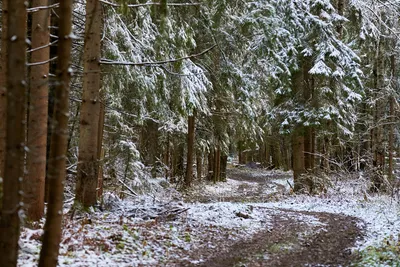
88	165
190	150
34	183
59	141
15	135
3	92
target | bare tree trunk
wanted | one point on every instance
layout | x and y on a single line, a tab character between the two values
3	92
88	165
34	183
59	142
217	163
15	135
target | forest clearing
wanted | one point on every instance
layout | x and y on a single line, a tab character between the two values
199	133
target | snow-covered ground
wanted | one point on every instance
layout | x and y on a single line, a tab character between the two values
160	230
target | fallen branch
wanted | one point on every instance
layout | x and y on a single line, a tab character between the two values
127	187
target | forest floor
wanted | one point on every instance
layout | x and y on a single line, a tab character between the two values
252	219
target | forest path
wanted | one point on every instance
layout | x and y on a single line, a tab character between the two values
290	241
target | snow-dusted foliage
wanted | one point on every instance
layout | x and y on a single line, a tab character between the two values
300	35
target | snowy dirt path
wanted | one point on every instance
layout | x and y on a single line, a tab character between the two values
289	240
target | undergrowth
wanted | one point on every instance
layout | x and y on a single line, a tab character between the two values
386	254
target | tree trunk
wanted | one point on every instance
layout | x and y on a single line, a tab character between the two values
217	164
391	120
190	150
223	164
34	183
377	144
15	135
59	142
149	145
100	150
3	92
167	158
298	160
199	164
210	175
88	165
53	69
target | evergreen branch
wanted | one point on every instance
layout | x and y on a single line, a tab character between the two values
149	4
111	62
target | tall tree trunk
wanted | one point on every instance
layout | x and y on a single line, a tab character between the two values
298	135
377	144
3	92
53	69
392	119
15	135
34	183
59	142
190	150
100	150
88	165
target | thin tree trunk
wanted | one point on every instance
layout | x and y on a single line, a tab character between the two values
3	92
392	121
34	183
59	142
210	175
88	165
167	158
199	164
298	160
190	150
15	136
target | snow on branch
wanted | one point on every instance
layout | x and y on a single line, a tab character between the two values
154	63
149	4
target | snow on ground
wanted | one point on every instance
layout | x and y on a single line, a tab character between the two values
160	229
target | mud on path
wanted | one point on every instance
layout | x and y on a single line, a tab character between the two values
290	241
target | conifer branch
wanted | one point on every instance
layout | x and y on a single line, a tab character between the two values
154	63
